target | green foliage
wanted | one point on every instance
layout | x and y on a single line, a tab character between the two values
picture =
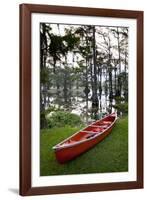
61	119
121	107
119	99
71	40
53	109
44	75
75	65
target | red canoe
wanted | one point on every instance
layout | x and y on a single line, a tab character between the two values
84	139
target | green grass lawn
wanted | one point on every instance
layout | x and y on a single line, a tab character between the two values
110	155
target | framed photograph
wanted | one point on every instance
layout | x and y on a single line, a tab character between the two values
81	99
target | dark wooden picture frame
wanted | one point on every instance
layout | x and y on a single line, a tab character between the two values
25	99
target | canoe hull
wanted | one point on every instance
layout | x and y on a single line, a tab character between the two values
68	153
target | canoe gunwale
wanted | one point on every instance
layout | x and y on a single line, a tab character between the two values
97	134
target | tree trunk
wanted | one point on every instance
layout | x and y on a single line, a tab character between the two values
106	90
119	62
65	90
115	80
94	97
43	56
110	79
125	84
86	90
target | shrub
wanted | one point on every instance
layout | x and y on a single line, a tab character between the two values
60	119
121	107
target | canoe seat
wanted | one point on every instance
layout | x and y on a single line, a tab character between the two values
90	135
99	126
68	142
107	122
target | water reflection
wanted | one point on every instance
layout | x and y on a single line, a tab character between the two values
77	103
